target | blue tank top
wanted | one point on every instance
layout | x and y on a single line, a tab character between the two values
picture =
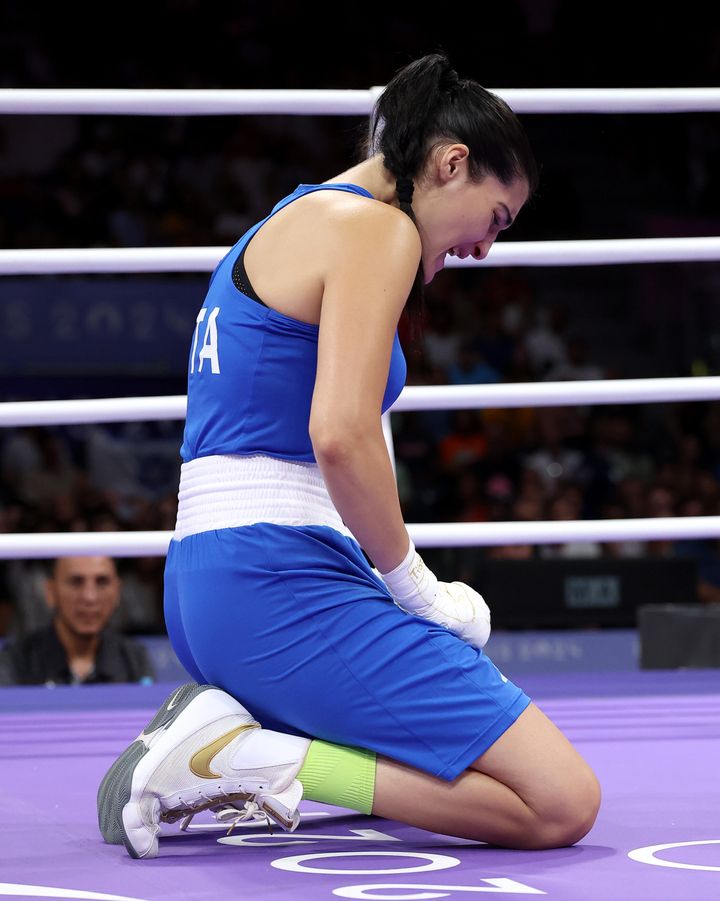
251	370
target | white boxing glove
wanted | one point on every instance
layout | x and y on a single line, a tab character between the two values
415	589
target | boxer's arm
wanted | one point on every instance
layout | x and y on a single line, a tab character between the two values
373	256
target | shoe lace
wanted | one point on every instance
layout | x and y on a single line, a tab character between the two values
226	812
231	813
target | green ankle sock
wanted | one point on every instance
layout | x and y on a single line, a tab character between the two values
339	775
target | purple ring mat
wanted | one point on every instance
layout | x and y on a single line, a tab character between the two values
652	737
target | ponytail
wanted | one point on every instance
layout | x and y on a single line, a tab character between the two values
427	103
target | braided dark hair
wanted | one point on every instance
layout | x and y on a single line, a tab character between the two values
426	104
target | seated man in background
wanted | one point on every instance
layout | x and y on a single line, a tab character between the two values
77	646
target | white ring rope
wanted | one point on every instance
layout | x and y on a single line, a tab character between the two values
516	253
412	397
443	534
19	101
533	253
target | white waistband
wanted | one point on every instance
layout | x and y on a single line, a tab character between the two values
226	490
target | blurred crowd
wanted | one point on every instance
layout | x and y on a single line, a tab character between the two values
153	180
156	183
102	181
511	464
527	464
92	478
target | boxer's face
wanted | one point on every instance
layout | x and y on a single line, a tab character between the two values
458	216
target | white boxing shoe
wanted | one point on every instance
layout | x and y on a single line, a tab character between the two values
212	755
114	790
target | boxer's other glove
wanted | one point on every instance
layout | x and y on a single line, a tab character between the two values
415	589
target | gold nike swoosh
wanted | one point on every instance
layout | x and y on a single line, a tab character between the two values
200	761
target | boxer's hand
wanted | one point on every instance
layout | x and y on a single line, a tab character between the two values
415	589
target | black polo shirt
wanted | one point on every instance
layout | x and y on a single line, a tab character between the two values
39	659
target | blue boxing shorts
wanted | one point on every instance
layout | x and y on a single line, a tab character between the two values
293	622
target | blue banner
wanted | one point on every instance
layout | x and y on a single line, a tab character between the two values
101	325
